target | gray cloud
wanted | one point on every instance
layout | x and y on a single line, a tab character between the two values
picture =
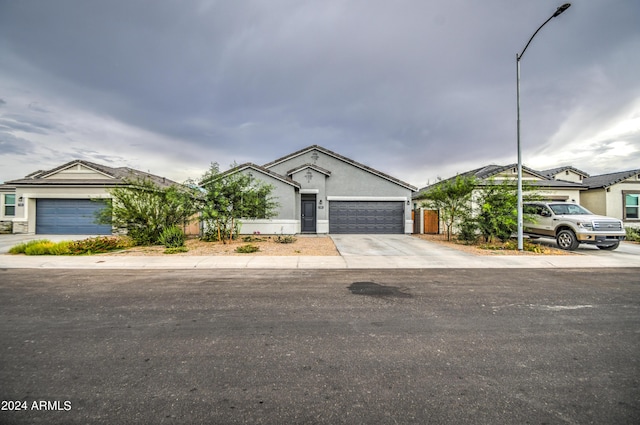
401	86
13	145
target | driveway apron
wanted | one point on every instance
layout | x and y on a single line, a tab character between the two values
391	246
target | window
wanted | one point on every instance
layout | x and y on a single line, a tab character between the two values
631	206
9	205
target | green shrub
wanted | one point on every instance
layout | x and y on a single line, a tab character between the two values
252	238
21	248
41	248
284	239
468	231
99	245
633	234
86	246
172	237
176	250
247	249
512	245
60	248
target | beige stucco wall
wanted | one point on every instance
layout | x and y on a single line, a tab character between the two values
78	172
595	201
568	176
610	201
615	198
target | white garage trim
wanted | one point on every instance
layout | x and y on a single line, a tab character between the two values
368	198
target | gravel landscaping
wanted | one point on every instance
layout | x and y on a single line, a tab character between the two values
311	245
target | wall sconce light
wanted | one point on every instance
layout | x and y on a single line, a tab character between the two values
408	202
20	199
320	203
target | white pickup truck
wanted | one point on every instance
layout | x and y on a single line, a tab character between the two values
570	225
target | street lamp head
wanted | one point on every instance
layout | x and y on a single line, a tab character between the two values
561	9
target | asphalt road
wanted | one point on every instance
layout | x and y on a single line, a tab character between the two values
454	346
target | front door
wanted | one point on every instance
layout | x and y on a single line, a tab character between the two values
309	216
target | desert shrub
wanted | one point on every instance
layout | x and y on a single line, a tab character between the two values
144	209
468	232
86	246
172	237
213	233
40	248
633	234
176	250
21	247
99	245
60	248
284	239
247	249
253	238
512	245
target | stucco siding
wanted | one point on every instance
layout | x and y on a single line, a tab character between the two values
615	198
341	179
595	201
345	178
284	194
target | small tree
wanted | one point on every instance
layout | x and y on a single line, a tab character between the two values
144	209
232	196
498	209
452	198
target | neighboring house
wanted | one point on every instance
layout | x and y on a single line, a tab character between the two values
550	189
614	195
556	190
320	191
7	208
64	200
566	173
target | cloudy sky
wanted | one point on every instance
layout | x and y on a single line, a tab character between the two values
417	89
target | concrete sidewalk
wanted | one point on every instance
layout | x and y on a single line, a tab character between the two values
308	262
356	252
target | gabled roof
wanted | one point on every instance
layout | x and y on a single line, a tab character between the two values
312	166
606	180
553	171
117	176
489	171
341	158
249	165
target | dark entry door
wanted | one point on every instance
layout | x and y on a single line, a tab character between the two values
309	216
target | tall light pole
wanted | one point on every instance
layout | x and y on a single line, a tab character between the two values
518	57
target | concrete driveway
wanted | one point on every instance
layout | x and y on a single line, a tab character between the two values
626	249
8	241
392	246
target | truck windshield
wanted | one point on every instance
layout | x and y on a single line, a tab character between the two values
569	209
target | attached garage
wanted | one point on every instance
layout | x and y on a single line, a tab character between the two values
69	217
366	217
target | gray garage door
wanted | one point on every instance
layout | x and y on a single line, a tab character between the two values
366	217
69	217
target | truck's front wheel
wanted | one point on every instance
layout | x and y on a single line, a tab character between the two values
609	247
567	240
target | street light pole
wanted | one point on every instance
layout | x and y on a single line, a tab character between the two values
518	58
